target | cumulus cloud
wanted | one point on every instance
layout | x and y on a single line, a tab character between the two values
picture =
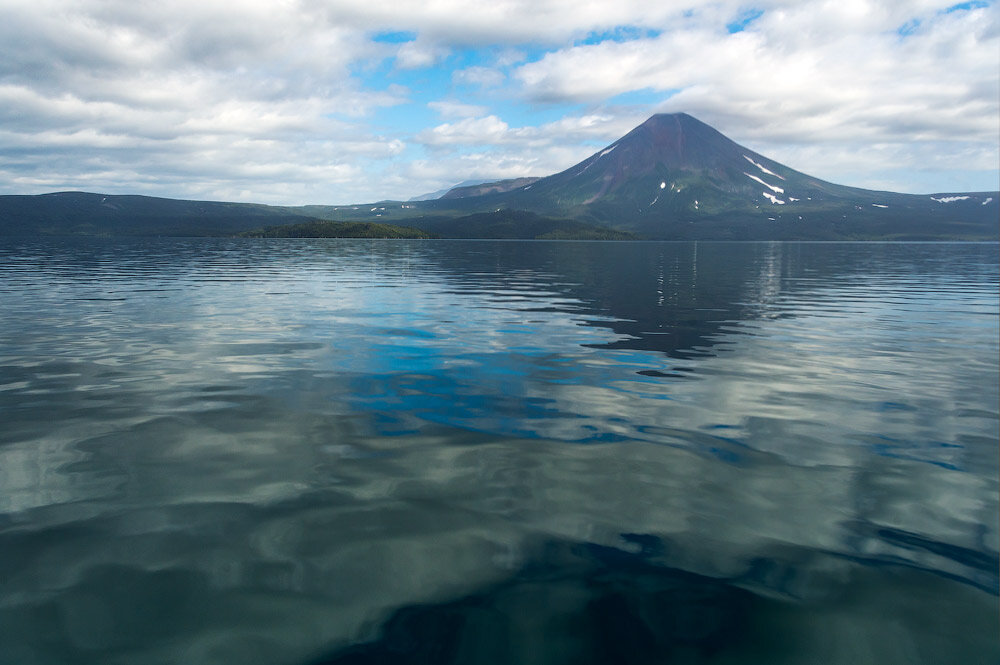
453	109
808	73
468	131
285	102
489	148
511	22
592	129
176	98
486	77
413	55
489	164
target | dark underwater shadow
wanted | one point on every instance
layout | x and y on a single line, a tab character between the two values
575	603
587	604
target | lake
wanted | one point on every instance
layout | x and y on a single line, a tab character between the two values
319	452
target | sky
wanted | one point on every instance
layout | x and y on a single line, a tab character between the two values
293	102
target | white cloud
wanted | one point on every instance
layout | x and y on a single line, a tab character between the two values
510	56
510	22
837	75
491	164
485	77
140	96
454	109
837	71
414	55
490	130
468	131
184	98
489	148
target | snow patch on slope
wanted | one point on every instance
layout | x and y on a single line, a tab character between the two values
949	199
879	205
777	190
762	168
987	200
592	161
774	199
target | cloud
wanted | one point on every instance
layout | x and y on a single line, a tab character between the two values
842	72
138	96
489	148
510	56
491	130
509	23
453	109
413	55
485	77
468	131
183	97
826	74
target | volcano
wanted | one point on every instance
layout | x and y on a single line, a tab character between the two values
674	176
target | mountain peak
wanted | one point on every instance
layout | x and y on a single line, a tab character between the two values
669	130
674	122
680	117
676	141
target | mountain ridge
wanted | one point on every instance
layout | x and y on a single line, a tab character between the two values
489	187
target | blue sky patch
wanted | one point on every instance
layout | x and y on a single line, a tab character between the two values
394	37
908	28
743	20
620	33
966	6
404	119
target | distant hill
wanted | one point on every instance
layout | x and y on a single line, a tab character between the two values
81	213
327	229
673	177
495	187
474	188
441	192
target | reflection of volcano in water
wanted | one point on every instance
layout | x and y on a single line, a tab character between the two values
674	298
682	299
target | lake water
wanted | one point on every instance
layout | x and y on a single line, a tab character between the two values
312	452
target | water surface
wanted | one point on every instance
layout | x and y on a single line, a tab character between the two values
332	451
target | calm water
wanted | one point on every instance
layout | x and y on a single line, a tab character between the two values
319	452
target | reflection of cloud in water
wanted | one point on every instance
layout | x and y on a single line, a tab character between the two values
374	523
336	430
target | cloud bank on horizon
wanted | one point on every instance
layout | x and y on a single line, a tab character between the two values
347	101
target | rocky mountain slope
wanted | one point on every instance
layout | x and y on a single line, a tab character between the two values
674	176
